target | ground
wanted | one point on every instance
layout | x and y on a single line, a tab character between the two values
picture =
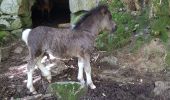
113	82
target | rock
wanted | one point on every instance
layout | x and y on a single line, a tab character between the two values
16	24
4	24
161	87
9	22
56	67
10	6
26	21
17	33
25	13
68	90
18	50
110	60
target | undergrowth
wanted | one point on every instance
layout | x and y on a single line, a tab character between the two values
139	26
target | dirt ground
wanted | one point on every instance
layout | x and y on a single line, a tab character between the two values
127	84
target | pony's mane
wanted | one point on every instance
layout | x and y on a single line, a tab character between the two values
92	11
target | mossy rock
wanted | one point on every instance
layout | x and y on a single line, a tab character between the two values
17	33
16	24
68	90
26	21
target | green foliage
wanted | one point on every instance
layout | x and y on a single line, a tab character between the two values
128	24
158	27
68	91
161	20
125	26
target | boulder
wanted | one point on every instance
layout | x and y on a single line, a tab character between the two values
10	22
4	24
17	33
10	6
56	67
24	8
26	21
161	87
16	24
110	60
18	50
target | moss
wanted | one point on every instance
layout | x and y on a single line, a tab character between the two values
68	91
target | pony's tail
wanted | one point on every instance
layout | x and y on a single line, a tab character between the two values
25	34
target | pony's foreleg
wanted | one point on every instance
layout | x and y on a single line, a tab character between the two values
87	69
30	70
45	72
80	70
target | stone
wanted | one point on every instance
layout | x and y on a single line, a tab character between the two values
109	59
56	67
10	6
24	8
18	50
26	21
10	22
4	24
16	24
68	90
17	33
161	87
78	5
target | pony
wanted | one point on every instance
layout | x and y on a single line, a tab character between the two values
66	43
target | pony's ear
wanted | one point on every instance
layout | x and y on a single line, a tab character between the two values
104	11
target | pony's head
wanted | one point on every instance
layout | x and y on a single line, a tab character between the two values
107	23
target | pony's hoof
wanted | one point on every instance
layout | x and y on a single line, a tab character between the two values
92	86
34	92
49	78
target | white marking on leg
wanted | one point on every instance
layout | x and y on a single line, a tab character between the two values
25	34
80	70
87	69
30	81
44	70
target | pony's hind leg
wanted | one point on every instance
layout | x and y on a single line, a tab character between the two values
30	70
80	70
87	69
45	72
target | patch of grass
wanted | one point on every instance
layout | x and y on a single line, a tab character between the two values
158	27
